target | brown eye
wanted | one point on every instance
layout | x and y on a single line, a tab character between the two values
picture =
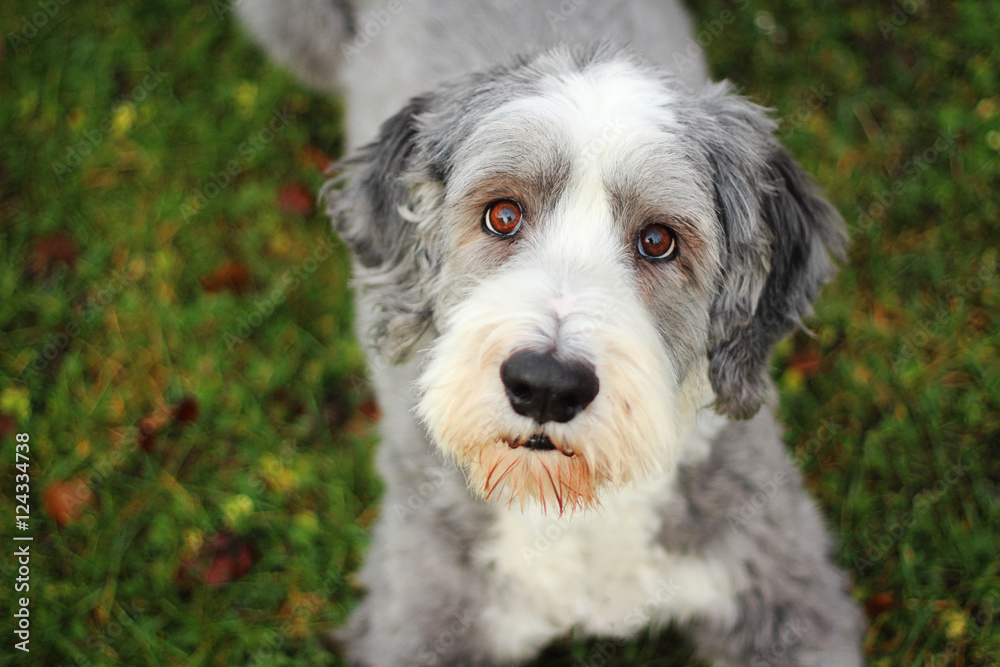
503	218
657	242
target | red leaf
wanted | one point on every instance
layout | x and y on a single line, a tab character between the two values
295	198
51	250
187	410
315	158
226	558
146	437
64	501
220	571
232	559
150	426
370	410
7	425
806	361
878	603
231	275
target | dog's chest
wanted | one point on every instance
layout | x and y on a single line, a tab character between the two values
602	572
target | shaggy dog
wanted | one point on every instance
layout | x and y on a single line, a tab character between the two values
572	256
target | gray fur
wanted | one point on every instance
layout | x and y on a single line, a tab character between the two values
430	616
780	238
305	36
760	265
392	263
402	48
746	504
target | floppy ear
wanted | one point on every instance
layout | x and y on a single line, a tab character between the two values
781	238
377	203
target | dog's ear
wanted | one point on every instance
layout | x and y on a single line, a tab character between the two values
781	237
377	202
366	210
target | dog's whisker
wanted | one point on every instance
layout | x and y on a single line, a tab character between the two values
538	484
493	488
492	470
554	489
503	476
568	485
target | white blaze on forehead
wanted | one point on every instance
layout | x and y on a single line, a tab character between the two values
609	106
603	107
601	116
590	115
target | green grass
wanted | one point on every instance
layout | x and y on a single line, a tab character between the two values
893	408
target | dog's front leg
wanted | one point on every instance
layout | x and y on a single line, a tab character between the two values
746	512
425	594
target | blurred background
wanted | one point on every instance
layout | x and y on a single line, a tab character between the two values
176	341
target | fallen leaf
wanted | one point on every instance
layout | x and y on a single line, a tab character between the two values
805	361
231	275
370	410
187	410
315	158
146	439
878	603
149	427
295	198
229	566
65	501
227	558
183	412
50	251
7	425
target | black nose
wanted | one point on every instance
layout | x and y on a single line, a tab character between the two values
547	389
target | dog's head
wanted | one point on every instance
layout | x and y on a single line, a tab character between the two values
592	254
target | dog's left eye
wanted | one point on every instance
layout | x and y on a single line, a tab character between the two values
657	241
503	218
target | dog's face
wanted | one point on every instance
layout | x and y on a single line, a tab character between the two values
593	253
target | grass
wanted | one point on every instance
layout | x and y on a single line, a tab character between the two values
176	333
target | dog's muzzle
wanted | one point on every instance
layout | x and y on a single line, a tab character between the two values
547	389
548	385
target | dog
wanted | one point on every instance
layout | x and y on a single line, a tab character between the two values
572	256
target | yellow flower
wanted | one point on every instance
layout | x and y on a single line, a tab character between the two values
307	521
192	541
246	96
123	118
954	624
237	508
16	402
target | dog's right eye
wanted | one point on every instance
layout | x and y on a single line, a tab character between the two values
503	218
657	242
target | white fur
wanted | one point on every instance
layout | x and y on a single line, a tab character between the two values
601	572
600	111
